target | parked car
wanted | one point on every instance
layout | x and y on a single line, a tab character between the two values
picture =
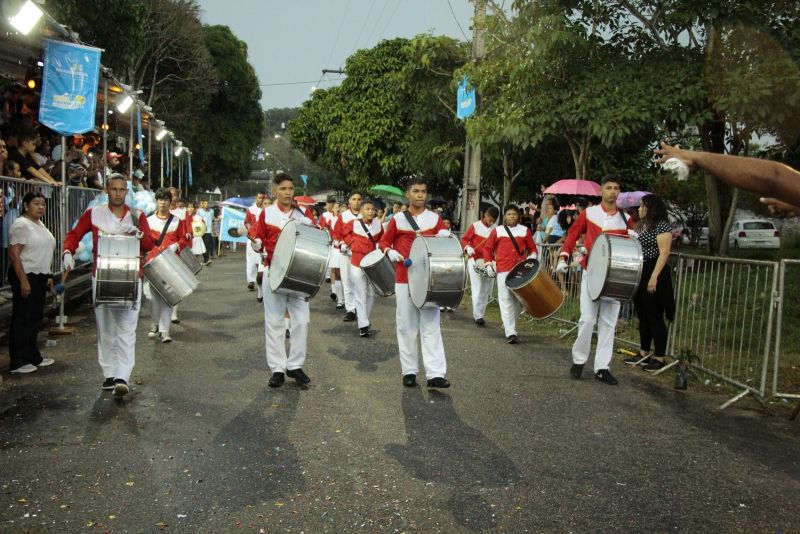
754	233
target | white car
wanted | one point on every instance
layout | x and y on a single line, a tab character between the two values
754	233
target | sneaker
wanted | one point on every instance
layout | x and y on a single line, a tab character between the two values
349	316
288	334
340	306
108	384
635	360
512	339
164	337
153	332
576	371
333	296
251	286
176	321
654	365
409	381
438	382
45	362
260	299
276	380
299	376
27	368
605	376
363	332
120	387
480	322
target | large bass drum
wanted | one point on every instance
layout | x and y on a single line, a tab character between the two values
438	272
614	267
170	277
117	270
380	271
300	260
535	289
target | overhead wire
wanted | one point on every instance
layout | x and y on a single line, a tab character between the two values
377	21
391	17
456	19
361	31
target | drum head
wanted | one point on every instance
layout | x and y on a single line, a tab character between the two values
282	255
419	273
598	265
522	274
372	258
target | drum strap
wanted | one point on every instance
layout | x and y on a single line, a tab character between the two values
135	217
412	222
364	226
513	240
164	231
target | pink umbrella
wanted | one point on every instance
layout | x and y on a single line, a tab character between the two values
574	187
630	199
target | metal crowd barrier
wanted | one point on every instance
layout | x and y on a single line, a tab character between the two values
786	364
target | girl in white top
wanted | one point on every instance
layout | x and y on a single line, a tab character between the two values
31	248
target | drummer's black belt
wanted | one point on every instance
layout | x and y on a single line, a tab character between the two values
364	226
513	241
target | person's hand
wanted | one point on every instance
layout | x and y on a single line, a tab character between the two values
533	256
651	284
444	232
128	228
491	269
394	255
68	262
562	266
24	287
676	159
469	250
633	234
173	247
344	248
256	244
780	208
264	255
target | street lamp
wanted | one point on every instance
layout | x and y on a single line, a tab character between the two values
26	18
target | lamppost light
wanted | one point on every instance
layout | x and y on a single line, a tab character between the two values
26	18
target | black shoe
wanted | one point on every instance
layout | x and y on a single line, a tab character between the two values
438	382
410	381
654	365
299	376
340	306
260	299
605	376
512	339
349	316
576	371
176	321
120	387
634	360
288	334
276	380
363	332
333	296
480	322
251	286
108	384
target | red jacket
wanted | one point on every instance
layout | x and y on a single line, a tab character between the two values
179	232
102	219
476	236
500	249
360	243
271	222
343	226
400	235
592	222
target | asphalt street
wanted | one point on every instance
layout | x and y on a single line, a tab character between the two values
201	444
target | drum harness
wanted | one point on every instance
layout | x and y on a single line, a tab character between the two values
164	230
364	226
513	241
413	223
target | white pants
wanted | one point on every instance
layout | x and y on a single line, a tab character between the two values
275	307
252	259
509	305
609	311
363	295
259	287
481	289
345	274
160	311
116	337
417	327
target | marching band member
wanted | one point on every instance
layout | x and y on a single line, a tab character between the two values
178	208
264	236
327	222
508	245
415	327
344	225
116	327
593	221
471	242
167	231
364	238
252	259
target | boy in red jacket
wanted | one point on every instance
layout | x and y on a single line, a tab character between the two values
472	242
364	238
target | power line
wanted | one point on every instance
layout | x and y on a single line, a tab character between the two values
361	31
391	17
377	21
338	34
330	80
456	19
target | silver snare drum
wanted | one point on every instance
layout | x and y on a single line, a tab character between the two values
438	272
380	271
614	267
298	264
170	277
190	260
117	270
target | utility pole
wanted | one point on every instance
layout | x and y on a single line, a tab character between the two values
471	200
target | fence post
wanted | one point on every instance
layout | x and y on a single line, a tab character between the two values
779	327
776	300
678	293
62	319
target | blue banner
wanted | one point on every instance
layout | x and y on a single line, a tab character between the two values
169	155
140	138
190	168
304	177
69	87
231	218
466	100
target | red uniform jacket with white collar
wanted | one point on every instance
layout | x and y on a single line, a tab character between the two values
400	235
500	249
592	222
360	243
178	232
344	225
476	236
271	222
251	215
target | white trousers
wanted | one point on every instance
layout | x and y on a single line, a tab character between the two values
160	311
417	328
275	308
509	305
481	289
363	295
608	312
252	259
345	272
116	337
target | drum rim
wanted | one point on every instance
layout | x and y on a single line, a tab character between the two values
426	265
539	270
589	263
380	253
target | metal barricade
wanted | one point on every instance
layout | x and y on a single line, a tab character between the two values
786	363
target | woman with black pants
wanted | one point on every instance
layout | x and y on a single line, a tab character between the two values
654	298
31	253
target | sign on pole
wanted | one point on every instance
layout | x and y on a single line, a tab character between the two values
466	99
69	87
231	218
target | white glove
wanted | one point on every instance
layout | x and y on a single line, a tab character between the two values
344	248
469	250
68	262
533	256
562	266
490	269
394	255
173	247
256	244
128	228
633	234
264	255
444	232
306	221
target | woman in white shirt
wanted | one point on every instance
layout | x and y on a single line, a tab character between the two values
31	252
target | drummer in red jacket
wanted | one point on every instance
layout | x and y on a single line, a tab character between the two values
264	237
507	245
593	221
472	242
116	327
415	327
177	236
363	239
341	230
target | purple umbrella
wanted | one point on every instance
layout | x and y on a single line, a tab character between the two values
630	199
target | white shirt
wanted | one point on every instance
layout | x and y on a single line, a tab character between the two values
38	244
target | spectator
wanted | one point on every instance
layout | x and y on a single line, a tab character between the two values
31	252
24	156
3	154
208	217
565	219
553	232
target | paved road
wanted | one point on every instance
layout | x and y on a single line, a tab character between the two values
203	445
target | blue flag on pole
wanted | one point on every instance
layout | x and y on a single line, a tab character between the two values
139	137
169	166
304	177
466	100
190	168
69	87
